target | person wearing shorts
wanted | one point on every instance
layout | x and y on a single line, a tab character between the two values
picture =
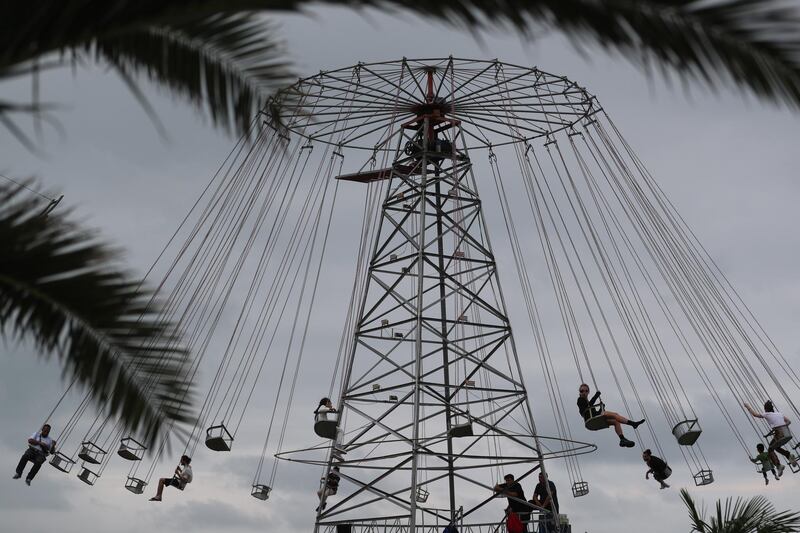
182	477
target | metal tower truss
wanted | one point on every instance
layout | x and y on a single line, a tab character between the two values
433	407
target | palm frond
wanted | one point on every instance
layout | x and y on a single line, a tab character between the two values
695	516
753	515
59	287
225	65
754	44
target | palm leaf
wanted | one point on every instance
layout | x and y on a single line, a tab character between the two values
59	288
226	66
695	516
753	515
753	44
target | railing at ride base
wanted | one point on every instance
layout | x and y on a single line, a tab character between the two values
400	525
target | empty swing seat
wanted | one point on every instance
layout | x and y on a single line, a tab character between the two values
323	427
91	453
703	477
780	435
87	476
135	485
687	432
461	430
795	466
260	492
422	495
218	438
580	488
131	449
62	462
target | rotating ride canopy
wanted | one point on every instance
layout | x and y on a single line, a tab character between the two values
428	382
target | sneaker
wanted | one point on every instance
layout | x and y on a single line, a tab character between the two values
781	468
637	423
766	481
793	461
28	482
17	476
625	443
155	499
664	486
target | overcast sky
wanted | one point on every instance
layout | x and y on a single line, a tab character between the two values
727	162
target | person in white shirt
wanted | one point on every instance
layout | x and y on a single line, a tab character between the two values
775	420
324	408
39	445
181	478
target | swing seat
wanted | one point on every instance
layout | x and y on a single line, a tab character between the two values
323	427
91	453
597	423
135	485
795	467
461	430
687	432
131	449
62	462
580	488
703	477
780	435
218	438
422	495
761	470
87	476
260	492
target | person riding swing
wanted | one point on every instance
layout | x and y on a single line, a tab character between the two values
182	477
321	415
776	421
765	462
330	488
658	467
587	409
39	446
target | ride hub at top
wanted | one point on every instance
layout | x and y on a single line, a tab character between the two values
423	404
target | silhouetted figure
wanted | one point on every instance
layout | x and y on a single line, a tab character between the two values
39	446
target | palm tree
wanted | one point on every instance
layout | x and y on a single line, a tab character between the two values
754	515
224	58
59	288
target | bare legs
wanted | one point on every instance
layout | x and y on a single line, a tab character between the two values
160	491
616	420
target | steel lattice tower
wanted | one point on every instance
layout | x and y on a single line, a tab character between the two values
431	332
433	405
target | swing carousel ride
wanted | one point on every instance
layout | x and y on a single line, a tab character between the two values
428	384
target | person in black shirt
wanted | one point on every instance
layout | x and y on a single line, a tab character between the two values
658	468
516	498
546	497
587	410
331	487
